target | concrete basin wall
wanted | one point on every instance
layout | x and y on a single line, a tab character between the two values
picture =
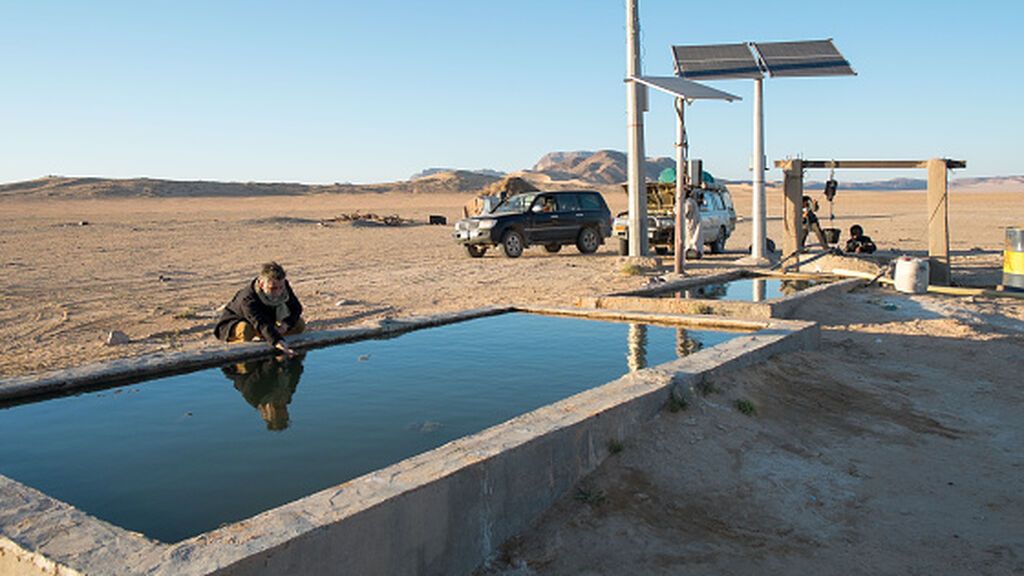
442	512
119	372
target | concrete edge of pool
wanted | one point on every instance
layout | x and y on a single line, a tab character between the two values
125	370
644	300
443	511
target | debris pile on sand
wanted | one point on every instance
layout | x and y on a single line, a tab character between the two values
496	192
368	218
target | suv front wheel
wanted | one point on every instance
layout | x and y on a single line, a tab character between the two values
512	242
588	241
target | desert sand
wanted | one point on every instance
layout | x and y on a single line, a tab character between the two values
896	448
158	269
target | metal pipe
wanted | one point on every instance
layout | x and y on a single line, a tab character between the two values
758	234
682	180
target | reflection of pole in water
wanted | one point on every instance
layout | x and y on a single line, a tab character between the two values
759	284
636	342
685	345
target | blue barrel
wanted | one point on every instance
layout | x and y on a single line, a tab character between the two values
1013	260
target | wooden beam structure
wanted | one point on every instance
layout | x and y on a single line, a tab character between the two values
869	164
793	188
938	203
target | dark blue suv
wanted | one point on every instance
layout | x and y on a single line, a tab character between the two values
550	219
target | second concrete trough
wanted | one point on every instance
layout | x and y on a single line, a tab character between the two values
649	300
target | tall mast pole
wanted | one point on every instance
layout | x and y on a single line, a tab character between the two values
635	136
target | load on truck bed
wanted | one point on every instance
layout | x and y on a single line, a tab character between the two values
717	217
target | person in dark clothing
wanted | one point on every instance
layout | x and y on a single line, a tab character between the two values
267	385
266	308
810	223
858	242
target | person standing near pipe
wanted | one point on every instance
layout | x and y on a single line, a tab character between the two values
691	212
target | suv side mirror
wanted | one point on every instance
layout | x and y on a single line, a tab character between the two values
537	208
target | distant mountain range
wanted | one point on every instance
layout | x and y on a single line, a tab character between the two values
603	169
431	171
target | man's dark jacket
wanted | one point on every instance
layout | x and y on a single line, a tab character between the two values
246	305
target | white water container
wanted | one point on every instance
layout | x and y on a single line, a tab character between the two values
911	275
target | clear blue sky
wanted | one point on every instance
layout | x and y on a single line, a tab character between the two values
374	91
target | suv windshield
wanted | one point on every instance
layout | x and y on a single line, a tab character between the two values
516	204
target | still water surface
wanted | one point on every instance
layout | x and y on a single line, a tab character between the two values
178	456
744	290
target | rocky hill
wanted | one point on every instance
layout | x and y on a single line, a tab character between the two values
601	167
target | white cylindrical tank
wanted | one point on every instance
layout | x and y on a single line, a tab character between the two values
911	275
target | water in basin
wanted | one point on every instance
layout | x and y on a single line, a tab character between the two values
177	456
744	290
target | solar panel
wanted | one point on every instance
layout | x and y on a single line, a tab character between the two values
711	61
685	88
807	58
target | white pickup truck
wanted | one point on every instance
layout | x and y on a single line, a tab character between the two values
717	218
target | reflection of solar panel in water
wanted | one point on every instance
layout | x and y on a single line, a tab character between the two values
716	61
807	58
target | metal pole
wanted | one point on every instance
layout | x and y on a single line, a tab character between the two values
757	239
635	136
682	180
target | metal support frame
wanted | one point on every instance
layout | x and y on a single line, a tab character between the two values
938	203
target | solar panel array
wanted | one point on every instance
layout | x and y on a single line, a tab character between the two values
753	60
808	58
713	61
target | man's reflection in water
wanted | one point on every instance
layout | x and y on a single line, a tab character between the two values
636	343
268	385
685	345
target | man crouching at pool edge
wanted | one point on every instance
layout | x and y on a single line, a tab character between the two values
265	309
